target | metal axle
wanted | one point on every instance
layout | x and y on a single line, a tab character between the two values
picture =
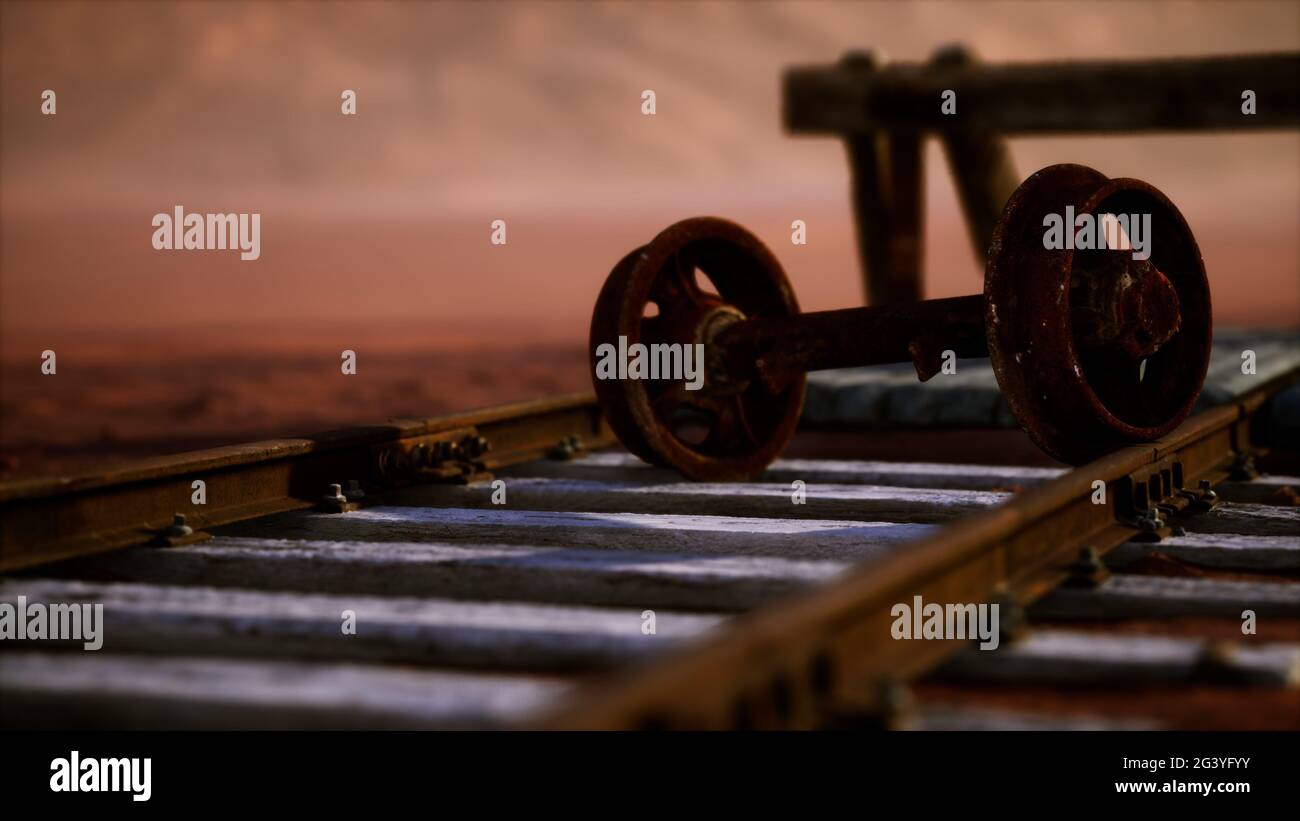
1123	307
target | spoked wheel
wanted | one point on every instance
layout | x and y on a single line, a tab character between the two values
691	282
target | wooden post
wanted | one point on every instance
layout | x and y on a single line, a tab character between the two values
886	178
980	161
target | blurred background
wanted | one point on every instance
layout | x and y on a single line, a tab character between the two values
375	228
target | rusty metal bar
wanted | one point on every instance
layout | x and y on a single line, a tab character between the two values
43	520
1179	94
829	652
777	347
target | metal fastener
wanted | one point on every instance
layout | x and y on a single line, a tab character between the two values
178	533
1243	467
178	529
568	447
1088	570
335	502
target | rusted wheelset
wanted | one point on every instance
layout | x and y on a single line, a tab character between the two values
1093	349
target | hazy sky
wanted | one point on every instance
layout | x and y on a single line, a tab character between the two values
530	112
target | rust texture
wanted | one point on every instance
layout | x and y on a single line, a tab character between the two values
1122	304
742	425
829	652
1092	349
883	112
777	349
44	520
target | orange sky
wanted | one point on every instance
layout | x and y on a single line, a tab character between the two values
529	112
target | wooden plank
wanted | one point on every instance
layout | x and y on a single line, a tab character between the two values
1277	424
483	635
1246	520
909	474
963	718
1264	490
707	535
102	691
1125	596
1227	550
620	466
890	395
1275	353
750	499
502	573
1080	659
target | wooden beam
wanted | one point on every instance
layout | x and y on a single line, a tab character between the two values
1102	96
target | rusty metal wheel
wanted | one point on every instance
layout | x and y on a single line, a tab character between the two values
692	281
1093	349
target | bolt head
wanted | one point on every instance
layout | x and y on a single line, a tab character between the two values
1151	521
178	529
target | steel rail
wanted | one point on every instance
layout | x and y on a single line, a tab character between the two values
48	519
828	653
1101	96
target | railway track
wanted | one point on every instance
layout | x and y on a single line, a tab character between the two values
510	569
515	568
